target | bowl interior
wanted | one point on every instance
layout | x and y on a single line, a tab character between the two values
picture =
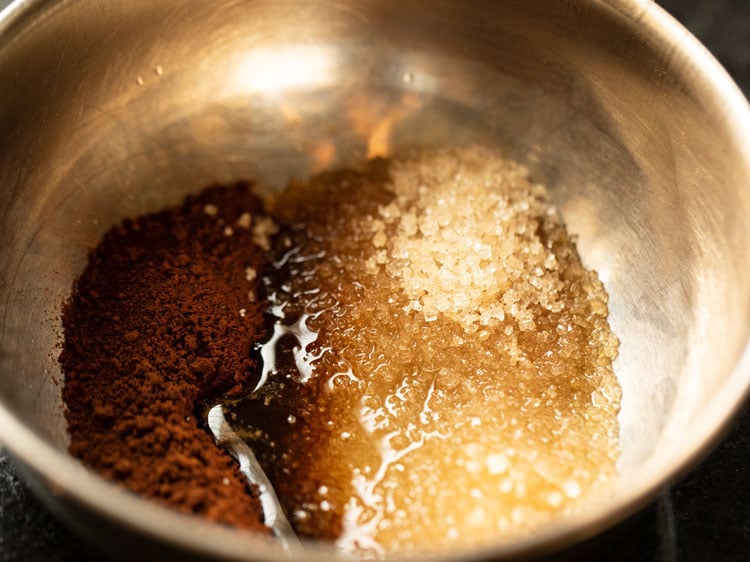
111	109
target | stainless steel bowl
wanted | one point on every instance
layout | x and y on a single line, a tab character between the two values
111	108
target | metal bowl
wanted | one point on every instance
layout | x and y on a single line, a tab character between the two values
110	108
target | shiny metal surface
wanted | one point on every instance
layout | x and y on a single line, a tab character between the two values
109	108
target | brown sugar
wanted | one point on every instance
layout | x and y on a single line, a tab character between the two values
161	322
440	373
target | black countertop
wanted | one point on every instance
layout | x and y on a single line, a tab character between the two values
704	516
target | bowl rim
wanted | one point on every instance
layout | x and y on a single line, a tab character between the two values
67	478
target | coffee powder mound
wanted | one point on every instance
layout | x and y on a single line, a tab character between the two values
162	321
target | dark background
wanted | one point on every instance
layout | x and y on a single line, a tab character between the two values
704	516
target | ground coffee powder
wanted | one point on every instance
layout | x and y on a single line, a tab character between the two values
162	321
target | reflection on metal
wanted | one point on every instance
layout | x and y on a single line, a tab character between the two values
273	70
251	469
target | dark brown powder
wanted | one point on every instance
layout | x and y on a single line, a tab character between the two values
161	322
